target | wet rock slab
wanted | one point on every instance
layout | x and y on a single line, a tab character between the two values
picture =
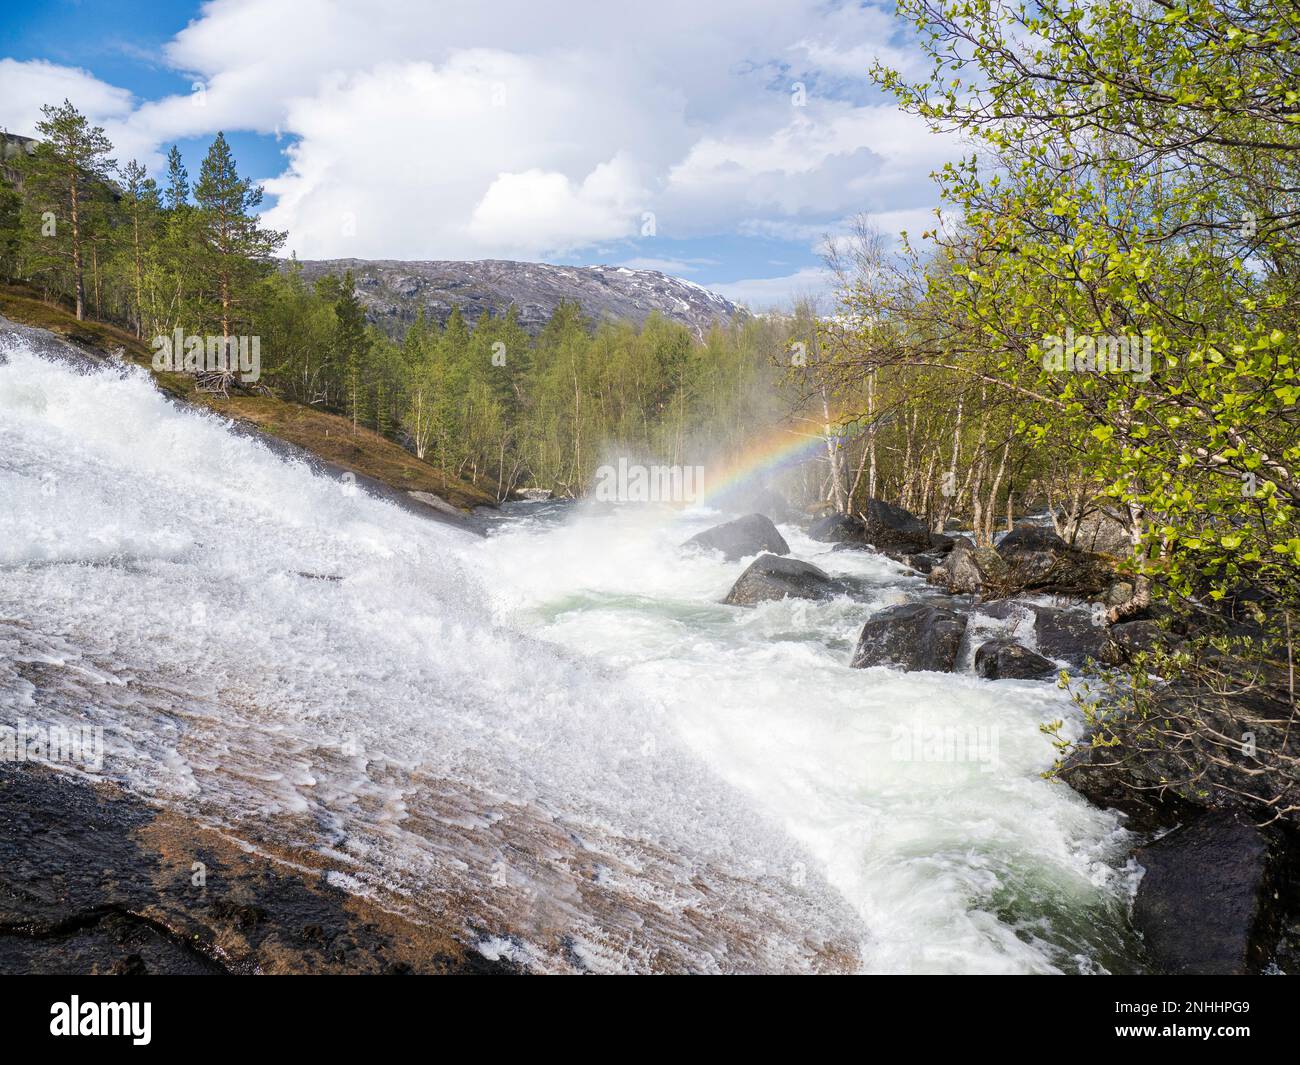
1208	901
93	881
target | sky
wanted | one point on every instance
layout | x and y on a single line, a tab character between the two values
719	141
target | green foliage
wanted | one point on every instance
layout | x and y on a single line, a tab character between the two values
62	182
177	187
234	250
1137	180
351	349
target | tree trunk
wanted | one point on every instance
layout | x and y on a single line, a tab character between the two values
76	243
836	496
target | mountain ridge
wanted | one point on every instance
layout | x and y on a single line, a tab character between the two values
394	290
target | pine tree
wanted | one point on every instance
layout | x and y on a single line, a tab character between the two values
141	206
174	279
10	230
237	251
352	346
178	180
70	160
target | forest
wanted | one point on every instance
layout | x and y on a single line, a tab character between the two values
479	399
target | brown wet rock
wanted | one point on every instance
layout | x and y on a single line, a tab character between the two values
94	881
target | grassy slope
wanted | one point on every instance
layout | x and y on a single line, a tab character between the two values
331	437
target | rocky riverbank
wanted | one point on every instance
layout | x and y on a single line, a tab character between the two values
1211	790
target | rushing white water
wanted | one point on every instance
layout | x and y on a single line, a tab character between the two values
556	735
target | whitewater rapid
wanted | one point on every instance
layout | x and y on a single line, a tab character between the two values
557	734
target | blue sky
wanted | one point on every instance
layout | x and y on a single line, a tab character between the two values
720	143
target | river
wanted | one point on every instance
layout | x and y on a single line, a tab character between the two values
556	733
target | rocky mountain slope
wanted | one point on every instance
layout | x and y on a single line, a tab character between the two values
393	291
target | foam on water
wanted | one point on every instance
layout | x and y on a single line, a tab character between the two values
919	794
557	734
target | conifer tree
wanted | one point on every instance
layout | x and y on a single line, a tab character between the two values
71	158
352	346
141	206
236	250
178	181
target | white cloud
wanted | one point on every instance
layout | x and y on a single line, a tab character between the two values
526	130
544	209
25	86
780	293
839	158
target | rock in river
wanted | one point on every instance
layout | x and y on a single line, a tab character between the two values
1038	558
745	536
913	636
880	524
838	529
1007	660
1063	633
1207	903
969	569
771	577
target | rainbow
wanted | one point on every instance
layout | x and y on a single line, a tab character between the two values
780	449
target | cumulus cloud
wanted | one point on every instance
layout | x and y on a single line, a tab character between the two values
25	86
544	209
514	129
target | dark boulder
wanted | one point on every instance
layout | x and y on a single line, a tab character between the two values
1072	636
1114	778
923	562
880	524
913	636
888	524
1005	659
772	577
1039	559
1103	532
838	529
1033	550
1130	638
749	535
1059	633
938	547
970	570
1212	749
1208	903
